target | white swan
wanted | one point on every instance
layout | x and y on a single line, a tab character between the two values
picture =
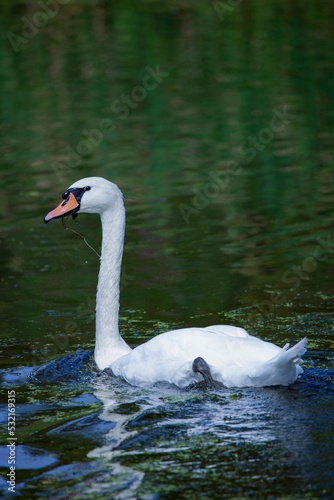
226	354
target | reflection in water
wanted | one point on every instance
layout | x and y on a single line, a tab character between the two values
245	255
131	441
169	423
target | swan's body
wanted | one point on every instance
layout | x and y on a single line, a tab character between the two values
235	358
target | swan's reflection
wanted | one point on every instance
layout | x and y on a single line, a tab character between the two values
166	421
138	434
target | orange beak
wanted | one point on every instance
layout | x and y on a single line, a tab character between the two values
67	207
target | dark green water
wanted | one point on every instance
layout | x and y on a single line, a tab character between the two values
217	122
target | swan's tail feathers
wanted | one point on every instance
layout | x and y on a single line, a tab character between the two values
287	362
297	351
282	369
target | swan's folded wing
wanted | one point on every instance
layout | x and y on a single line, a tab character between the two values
232	331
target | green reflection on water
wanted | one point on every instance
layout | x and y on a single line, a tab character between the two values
208	241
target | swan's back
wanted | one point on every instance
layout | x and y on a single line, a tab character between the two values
235	358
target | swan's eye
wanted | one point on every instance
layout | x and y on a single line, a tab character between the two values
78	192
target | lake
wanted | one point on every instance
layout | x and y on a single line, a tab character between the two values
216	120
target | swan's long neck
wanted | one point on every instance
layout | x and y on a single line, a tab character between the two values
109	345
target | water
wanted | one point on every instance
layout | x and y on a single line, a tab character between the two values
218	127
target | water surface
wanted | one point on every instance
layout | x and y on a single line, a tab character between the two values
226	170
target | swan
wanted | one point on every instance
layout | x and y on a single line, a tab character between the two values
218	353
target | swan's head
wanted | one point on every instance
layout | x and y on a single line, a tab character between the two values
90	195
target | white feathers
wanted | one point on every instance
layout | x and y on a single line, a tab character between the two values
234	361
